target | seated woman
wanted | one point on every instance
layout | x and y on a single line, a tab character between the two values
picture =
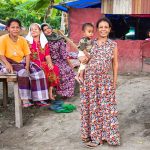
15	54
59	57
40	54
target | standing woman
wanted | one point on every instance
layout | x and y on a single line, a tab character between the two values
40	54
15	54
99	120
59	57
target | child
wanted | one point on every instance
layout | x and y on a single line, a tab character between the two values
85	45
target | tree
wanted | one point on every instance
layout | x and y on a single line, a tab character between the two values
29	11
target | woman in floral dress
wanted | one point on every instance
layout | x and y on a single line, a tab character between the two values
40	54
99	120
59	57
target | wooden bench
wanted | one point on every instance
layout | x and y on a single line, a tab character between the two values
5	78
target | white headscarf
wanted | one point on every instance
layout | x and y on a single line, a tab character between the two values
43	39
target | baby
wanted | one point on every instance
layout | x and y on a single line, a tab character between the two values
85	45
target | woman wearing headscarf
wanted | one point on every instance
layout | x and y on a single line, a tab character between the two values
15	54
40	55
60	58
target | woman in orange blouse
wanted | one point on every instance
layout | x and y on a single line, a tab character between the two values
15	55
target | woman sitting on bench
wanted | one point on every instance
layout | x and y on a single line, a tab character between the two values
15	54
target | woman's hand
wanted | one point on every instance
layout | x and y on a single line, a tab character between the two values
71	65
51	66
83	59
9	67
27	68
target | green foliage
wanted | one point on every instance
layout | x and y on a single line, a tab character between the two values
29	11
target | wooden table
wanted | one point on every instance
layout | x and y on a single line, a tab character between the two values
5	78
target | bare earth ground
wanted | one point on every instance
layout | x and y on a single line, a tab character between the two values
46	130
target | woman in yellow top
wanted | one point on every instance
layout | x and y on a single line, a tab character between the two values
15	54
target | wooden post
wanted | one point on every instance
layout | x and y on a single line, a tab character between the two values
18	107
5	93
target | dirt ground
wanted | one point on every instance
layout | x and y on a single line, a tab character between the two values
46	130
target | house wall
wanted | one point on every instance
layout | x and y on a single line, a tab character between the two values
131	52
130	56
125	6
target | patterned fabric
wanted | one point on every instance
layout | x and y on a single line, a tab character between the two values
98	104
85	44
37	56
54	37
59	57
31	86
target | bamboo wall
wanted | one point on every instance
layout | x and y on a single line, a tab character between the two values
125	6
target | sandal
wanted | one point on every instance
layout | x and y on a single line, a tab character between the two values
27	104
42	103
86	140
92	144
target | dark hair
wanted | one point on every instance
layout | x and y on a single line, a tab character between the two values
87	25
105	20
44	25
13	20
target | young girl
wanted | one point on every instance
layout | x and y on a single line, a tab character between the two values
40	54
85	45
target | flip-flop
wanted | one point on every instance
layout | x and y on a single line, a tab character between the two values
57	102
69	106
86	140
27	104
63	111
41	103
59	109
92	144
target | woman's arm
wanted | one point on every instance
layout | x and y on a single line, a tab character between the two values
6	63
83	59
27	59
49	62
69	63
115	66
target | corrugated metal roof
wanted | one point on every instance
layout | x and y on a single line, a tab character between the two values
78	4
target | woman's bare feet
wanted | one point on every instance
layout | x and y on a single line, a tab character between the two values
51	96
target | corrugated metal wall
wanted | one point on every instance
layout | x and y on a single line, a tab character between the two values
125	6
145	7
122	6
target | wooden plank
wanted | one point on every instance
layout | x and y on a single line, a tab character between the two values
6	77
5	93
18	107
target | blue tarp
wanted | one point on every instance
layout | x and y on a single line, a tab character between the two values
64	6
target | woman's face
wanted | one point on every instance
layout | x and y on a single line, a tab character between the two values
35	30
103	29
14	29
47	30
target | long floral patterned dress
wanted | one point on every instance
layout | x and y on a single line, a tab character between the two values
59	57
98	104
